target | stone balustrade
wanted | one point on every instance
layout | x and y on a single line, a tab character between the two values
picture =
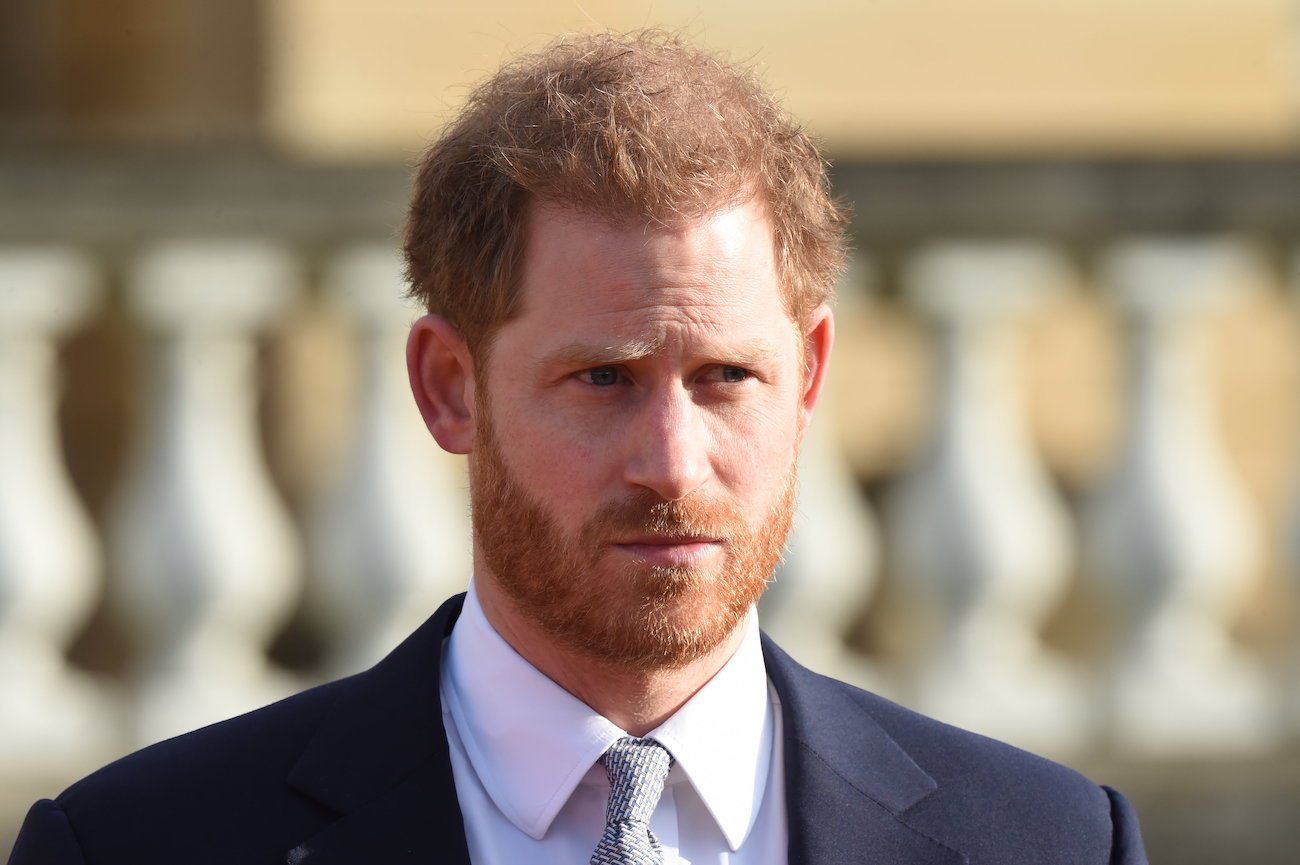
201	561
253	544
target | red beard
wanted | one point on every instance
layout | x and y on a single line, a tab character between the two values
634	616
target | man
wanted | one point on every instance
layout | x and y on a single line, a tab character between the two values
626	251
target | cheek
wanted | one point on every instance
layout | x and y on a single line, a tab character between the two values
563	466
753	456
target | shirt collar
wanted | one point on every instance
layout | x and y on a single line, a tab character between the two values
531	742
722	738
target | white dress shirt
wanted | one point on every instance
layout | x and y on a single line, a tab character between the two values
524	752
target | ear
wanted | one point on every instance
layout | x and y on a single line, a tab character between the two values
441	371
819	337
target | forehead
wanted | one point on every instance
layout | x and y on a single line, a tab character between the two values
591	265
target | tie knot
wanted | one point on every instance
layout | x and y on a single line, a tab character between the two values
637	770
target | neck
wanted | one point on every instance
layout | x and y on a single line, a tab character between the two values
636	701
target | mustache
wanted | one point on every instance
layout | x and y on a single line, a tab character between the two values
647	514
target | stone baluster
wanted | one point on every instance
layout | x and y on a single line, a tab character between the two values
976	525
205	558
829	571
51	717
390	539
1171	533
1290	546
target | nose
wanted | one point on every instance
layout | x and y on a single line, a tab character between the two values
670	445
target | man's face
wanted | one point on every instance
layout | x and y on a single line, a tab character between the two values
636	432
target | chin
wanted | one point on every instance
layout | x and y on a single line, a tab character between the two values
654	618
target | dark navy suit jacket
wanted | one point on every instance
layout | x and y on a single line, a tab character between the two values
357	771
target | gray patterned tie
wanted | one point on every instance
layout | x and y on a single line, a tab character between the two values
637	769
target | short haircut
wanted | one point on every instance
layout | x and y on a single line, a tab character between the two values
638	126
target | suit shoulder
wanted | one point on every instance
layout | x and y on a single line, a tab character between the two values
167	797
263	741
251	788
958	755
951	756
996	796
963	791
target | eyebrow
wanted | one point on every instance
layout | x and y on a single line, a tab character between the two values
582	354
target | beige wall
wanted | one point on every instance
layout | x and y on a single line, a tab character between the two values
357	78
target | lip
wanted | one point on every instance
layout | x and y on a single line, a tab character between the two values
669	552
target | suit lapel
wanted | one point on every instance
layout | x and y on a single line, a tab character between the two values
381	761
848	784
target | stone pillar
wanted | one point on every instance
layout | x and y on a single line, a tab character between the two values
206	559
976	523
51	717
1171	533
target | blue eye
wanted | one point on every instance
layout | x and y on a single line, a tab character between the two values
734	374
602	376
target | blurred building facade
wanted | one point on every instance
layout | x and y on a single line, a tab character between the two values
1052	496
